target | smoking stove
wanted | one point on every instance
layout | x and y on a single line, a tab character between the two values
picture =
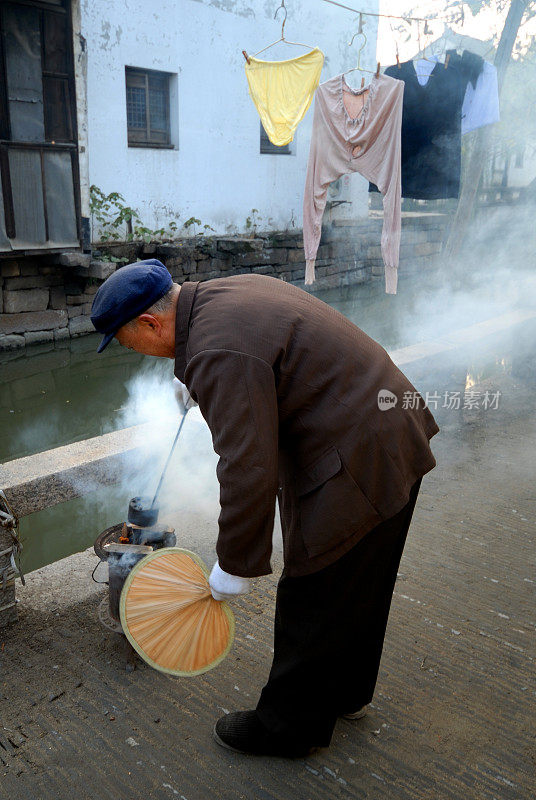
121	546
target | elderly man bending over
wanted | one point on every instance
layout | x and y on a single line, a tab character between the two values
303	406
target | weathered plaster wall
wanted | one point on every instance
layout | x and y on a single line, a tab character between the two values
217	173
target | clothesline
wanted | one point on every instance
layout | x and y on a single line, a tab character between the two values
386	16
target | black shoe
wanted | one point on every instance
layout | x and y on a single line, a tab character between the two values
359	714
243	732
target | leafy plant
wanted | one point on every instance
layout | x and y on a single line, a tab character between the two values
193	221
253	221
116	220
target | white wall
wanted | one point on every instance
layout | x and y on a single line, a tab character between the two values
217	173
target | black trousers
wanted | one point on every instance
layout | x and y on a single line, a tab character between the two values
328	636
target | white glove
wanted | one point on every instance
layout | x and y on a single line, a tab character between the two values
182	396
226	587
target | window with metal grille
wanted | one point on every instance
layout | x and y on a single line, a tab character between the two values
147	108
272	149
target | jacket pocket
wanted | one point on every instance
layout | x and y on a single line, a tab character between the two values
332	506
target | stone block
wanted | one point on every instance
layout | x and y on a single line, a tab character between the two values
57	297
222	264
166	249
74	311
78	326
28	282
263	270
295	256
32	321
285	240
255	259
61	333
79	299
324	251
189	266
33	337
279	255
50	269
74	259
126	251
174	261
90	290
101	269
208	246
29	268
11	342
374	251
25	300
205	266
9	269
235	246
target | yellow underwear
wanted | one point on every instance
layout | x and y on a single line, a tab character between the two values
283	90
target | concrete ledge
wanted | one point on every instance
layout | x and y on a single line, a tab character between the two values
54	476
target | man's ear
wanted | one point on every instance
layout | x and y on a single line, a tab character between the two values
149	321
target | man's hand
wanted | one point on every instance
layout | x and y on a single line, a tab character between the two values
182	395
226	587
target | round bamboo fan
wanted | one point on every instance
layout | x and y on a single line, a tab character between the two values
170	617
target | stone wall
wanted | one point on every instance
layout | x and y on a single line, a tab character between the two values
42	301
49	298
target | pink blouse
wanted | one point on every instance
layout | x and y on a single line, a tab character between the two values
369	144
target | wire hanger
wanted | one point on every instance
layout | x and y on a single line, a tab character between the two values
361	32
281	38
426	32
422	56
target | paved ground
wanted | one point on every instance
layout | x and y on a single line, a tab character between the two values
453	714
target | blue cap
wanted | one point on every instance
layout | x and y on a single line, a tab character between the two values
125	294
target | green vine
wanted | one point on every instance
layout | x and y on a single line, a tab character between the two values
253	221
120	222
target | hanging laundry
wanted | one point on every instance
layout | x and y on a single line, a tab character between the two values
481	102
283	90
431	129
368	144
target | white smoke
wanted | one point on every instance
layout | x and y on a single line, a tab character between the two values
190	485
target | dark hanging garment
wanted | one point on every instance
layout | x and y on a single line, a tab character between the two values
471	65
431	130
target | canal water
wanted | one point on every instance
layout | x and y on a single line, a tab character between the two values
55	394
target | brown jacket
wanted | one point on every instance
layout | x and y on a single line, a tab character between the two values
289	388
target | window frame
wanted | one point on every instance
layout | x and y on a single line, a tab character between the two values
272	149
145	137
7	143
